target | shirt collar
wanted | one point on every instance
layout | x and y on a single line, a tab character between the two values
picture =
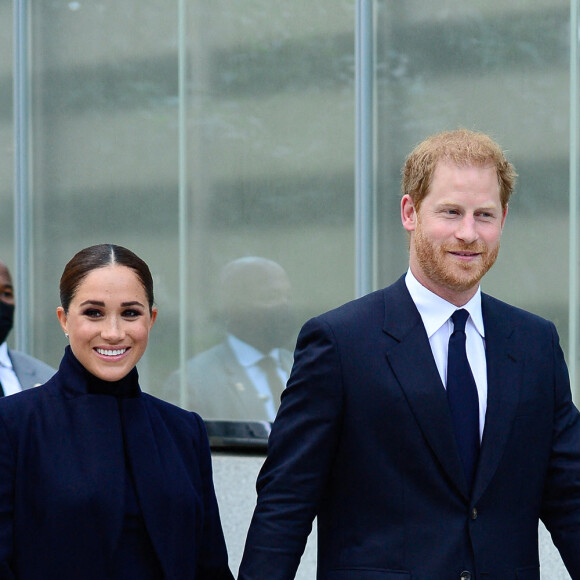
4	357
246	354
435	311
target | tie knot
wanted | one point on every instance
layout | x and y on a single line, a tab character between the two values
459	318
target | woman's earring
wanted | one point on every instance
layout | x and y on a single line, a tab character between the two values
66	334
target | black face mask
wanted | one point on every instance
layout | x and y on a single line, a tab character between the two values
6	320
264	328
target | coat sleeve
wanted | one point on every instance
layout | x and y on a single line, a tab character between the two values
301	450
213	560
7	475
561	501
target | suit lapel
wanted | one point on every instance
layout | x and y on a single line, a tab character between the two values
412	362
147	468
241	388
503	385
168	504
25	373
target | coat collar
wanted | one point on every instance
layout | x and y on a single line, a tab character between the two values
411	360
75	380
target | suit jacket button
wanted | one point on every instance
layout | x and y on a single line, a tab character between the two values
465	575
474	514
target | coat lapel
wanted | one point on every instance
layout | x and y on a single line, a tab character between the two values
412	362
91	448
164	500
147	469
503	385
26	373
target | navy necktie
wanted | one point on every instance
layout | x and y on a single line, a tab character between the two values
462	396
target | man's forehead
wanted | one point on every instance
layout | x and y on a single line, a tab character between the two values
5	278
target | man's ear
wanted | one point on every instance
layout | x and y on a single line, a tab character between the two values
505	212
408	213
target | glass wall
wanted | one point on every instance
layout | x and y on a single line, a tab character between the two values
204	132
6	136
499	67
196	134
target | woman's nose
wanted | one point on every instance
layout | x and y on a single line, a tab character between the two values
112	330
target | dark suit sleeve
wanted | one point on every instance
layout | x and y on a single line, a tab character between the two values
300	455
213	561
561	503
7	467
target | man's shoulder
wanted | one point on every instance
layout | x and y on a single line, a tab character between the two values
32	361
203	367
24	364
394	296
501	310
216	356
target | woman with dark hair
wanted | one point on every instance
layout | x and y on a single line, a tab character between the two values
99	480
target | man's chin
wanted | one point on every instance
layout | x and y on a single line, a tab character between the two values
464	278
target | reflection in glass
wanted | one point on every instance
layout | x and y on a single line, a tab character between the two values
242	377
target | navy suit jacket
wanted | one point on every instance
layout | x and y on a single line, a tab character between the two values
364	441
62	470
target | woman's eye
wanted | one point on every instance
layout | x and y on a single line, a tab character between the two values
131	313
92	313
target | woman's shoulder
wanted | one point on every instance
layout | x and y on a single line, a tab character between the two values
169	410
23	399
20	410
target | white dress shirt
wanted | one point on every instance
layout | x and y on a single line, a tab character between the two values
8	378
249	357
436	315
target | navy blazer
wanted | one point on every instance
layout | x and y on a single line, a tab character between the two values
62	470
364	441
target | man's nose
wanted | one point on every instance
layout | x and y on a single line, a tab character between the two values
467	229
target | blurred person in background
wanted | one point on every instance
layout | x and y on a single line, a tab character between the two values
18	371
242	378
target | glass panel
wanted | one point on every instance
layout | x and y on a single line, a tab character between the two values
104	78
269	150
6	140
502	68
270	134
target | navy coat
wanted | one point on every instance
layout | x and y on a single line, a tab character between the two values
62	470
364	441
